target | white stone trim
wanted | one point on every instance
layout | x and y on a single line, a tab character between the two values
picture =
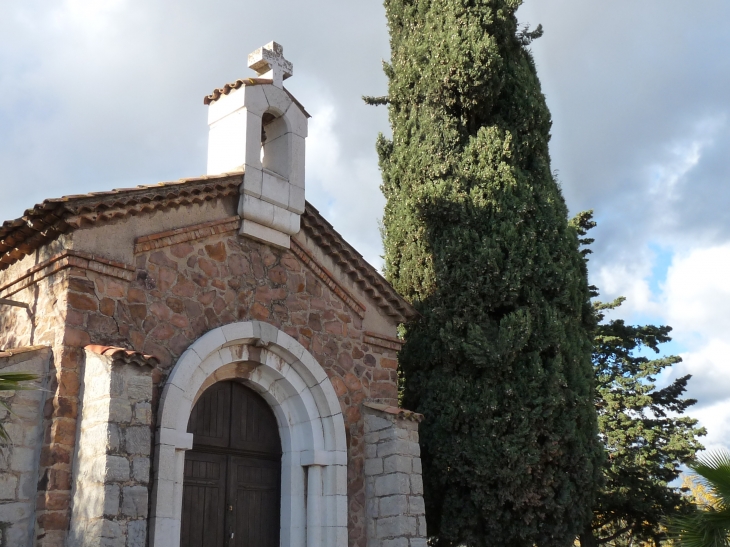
311	427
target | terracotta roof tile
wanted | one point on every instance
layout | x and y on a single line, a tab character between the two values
48	220
127	355
226	89
396	411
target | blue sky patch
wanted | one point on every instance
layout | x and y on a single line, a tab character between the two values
662	260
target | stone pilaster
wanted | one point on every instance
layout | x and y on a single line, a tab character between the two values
112	468
393	485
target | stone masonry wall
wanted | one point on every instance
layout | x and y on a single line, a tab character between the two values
394	486
20	458
112	464
176	293
45	296
46	289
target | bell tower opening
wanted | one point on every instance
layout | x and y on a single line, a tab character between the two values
275	145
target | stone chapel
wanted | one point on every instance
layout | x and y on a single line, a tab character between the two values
217	365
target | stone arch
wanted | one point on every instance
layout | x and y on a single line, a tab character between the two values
285	125
311	426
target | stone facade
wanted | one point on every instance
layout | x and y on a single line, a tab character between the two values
123	286
49	285
396	514
178	286
19	461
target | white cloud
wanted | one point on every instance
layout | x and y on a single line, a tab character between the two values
709	366
663	177
89	17
716	418
630	280
695	300
345	189
697	292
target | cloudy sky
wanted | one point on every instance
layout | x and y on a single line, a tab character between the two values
101	94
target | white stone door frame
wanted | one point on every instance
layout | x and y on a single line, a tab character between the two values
311	426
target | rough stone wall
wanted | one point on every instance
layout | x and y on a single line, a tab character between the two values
46	290
20	458
394	486
179	292
51	292
112	464
45	295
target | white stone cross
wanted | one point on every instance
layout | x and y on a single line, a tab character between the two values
268	62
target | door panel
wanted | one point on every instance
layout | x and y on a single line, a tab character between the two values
204	496
232	490
254	427
256	486
210	419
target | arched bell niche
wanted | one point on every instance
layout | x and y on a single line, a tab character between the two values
275	145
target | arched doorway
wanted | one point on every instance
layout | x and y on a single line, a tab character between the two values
313	499
232	477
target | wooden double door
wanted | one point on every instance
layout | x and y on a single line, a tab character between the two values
232	485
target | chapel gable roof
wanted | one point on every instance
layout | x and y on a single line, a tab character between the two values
46	221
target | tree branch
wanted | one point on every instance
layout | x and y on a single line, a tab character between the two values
614	535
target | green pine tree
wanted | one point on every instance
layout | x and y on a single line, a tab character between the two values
642	429
476	236
646	436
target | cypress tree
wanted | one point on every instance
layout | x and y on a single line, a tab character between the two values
476	236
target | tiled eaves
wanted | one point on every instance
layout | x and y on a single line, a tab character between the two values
122	355
356	267
48	220
327	278
144	199
226	89
376	339
395	411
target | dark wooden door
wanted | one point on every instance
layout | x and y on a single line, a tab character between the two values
232	485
